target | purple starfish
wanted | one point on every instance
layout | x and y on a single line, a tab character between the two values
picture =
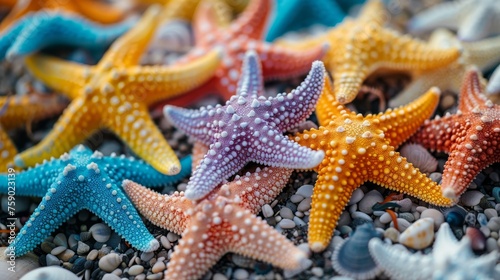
249	128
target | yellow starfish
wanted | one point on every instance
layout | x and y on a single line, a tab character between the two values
359	149
361	46
92	9
16	111
115	94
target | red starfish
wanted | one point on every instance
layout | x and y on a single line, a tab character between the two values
245	33
471	137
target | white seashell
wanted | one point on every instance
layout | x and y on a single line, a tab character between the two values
419	157
419	235
50	272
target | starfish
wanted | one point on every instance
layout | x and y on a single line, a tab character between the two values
19	110
114	94
359	149
48	28
364	45
449	259
235	40
36	181
473	19
85	180
92	9
223	222
484	54
470	137
249	127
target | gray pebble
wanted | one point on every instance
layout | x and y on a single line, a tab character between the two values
471	198
57	250
436	177
345	219
147	256
240	274
345	230
110	262
305	191
299	222
370	198
434	214
421	209
158	267
317	271
82	248
494	224
490	213
361	215
73	241
494	176
385	218
156	276
356	196
92	255
405	204
296	198
402	224
165	243
219	276
485	230
52	260
304	205
172	237
267	211
286	224
286	213
100	232
136	270
110	276
60	240
491	245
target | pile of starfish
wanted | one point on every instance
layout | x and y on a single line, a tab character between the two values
232	58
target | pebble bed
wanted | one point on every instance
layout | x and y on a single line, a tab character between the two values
89	249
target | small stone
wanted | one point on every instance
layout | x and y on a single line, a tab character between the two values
345	219
317	271
491	245
66	255
385	218
421	209
60	240
494	177
172	237
219	276
158	267
296	198
471	198
345	230
435	215
305	191
156	276
299	222
356	196
392	234
136	270
82	248
47	247
485	230
100	232
73	240
286	213
147	256
494	224
240	274
110	276
482	220
405	204
165	243
57	250
370	198
304	205
267	211
490	213
110	262
286	224
436	177
402	224
52	260
361	215
92	255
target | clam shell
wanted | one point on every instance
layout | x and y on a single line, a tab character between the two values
351	257
49	273
419	157
419	235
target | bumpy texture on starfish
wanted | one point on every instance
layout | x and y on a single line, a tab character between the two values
17	111
474	19
115	94
36	181
471	137
359	149
42	29
86	180
364	45
484	54
448	260
249	127
92	9
243	34
224	222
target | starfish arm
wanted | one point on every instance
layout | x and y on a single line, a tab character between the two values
327	107
437	134
179	9
44	29
145	140
128	49
199	152
253	21
35	181
139	171
278	62
166	211
300	103
484	53
373	12
8	36
443	15
472	28
99	11
206	20
7	153
404	121
168	82
20	9
66	77
191	122
250	84
471	96
74	126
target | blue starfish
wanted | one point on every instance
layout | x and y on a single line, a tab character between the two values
48	28
85	180
297	14
249	127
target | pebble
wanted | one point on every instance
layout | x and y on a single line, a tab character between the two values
165	243
305	191
344	219
436	177
385	218
485	230
136	270
57	250
357	195
405	205
110	262
286	224
48	273
267	211
435	215
392	234
494	224
73	240
240	274
47	247
421	209
147	256
172	237
66	255
92	255
402	224
296	198
111	276
299	222
482	220
52	260
491	245
60	240
305	204
219	276
370	198
100	232
156	276
471	198
345	230
158	267
286	213
317	271
490	213
407	216
361	215
82	248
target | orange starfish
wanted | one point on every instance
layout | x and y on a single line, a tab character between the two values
92	9
223	222
114	94
471	137
359	149
361	46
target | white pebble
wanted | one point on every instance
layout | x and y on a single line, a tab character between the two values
361	215
267	211
296	198
305	191
304	205
471	198
287	224
286	213
356	196
435	215
490	213
240	274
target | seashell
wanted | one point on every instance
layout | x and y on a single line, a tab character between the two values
471	198
100	232
61	240
24	264
48	273
419	235
456	215
110	262
351	257
419	157
435	215
370	198
477	239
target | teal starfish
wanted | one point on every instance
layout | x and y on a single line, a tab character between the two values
85	180
293	15
43	29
